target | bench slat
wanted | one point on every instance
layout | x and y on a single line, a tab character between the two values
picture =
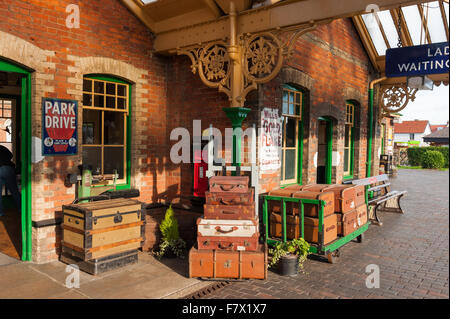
371	180
386	197
378	187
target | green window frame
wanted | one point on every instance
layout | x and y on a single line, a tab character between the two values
349	140
119	107
292	112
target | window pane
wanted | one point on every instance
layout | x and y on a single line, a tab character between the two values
99	87
435	22
114	128
92	123
110	88
87	85
375	33
389	27
87	99
111	102
93	156
114	160
282	165
121	103
99	101
414	23
285	102
346	160
290	133
347	136
121	90
290	164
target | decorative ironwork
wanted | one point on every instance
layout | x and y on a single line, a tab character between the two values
396	97
215	63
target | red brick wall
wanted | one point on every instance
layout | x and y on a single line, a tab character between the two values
35	34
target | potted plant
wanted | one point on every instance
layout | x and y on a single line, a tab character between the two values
289	256
171	244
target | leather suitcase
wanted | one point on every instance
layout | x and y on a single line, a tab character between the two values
347	223
362	214
275	205
360	195
226	228
232	184
228	264
345	197
229	243
315	187
292	226
226	198
329	228
228	212
98	229
312	210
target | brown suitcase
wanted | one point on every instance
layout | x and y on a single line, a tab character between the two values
229	243
329	229
360	195
292	226
347	223
362	214
226	198
228	264
233	184
312	210
275	205
345	197
229	211
315	187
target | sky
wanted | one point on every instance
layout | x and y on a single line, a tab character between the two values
429	105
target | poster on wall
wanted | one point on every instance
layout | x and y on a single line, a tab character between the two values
59	123
271	139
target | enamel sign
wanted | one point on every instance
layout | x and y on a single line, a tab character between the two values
271	139
417	60
59	124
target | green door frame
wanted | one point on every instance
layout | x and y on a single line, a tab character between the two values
329	156
26	156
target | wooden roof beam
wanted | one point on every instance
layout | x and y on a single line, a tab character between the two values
213	7
139	13
444	18
424	24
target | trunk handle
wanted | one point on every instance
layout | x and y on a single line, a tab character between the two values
220	245
226	231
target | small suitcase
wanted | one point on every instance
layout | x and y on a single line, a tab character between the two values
315	187
232	184
229	243
329	229
362	214
292	226
312	210
345	197
228	212
226	198
220	264
347	223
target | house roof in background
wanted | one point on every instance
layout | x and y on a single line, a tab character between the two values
440	134
436	127
410	127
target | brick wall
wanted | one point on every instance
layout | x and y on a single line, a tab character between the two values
111	41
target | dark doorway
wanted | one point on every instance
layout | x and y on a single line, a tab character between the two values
324	152
10	137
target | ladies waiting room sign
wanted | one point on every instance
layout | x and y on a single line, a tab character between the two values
270	149
59	124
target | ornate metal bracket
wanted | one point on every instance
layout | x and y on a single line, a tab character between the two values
395	98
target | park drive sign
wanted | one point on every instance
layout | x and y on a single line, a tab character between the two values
417	60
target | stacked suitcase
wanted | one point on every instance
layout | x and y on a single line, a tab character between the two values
102	235
311	214
228	234
345	212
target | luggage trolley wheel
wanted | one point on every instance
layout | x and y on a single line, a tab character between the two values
360	238
333	256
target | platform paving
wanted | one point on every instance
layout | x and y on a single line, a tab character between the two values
411	251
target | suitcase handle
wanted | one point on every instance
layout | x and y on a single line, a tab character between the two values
220	245
228	212
231	202
226	231
118	218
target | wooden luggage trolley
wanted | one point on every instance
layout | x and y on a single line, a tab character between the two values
228	242
319	234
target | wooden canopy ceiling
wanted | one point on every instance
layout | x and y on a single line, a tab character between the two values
181	24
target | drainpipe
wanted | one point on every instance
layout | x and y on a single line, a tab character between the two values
369	144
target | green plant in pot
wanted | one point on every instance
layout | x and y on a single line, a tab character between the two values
171	242
289	256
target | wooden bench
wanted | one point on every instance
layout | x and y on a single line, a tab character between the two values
381	188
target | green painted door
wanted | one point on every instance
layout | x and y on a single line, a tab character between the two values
325	151
25	123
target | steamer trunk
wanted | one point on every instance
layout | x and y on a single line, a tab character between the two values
312	210
292	226
102	228
228	199
329	229
229	211
345	197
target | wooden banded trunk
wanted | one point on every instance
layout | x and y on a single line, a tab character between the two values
103	228
312	210
228	264
329	229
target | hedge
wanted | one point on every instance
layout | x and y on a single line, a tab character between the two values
415	154
432	159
